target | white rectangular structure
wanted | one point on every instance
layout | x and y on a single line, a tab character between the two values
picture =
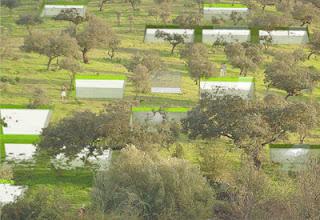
285	36
223	13
210	36
292	158
54	10
25	121
19	151
10	193
99	88
166	90
156	117
244	89
150	35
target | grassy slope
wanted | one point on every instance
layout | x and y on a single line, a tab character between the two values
31	68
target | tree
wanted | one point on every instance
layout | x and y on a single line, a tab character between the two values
252	195
173	39
268	20
152	61
72	65
41	204
141	79
314	44
73	134
134	4
265	3
200	4
246	57
39	98
188	20
250	125
53	45
304	12
101	4
198	61
150	188
162	11
307	120
29	20
94	35
306	199
11	4
284	73
113	45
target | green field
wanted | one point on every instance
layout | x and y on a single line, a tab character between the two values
31	70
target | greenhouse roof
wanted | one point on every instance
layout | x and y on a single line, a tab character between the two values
66	2
104	84
229	79
10	193
169	109
293	146
226	31
101	77
224	5
24	121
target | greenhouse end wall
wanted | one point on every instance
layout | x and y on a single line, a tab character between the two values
99	93
286	37
225	35
223	13
156	117
54	10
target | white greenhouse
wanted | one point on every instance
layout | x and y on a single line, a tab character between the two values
10	193
150	34
211	36
19	152
25	121
166	82
157	115
100	87
293	156
224	11
285	36
236	86
54	10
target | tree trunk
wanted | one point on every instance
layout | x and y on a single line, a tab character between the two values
49	63
72	76
173	47
256	161
84	56
287	96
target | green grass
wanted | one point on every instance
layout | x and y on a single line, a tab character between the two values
229	79
31	69
150	109
4	181
224	5
101	77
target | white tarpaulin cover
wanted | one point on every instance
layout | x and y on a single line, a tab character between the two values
151	34
210	36
54	10
99	88
10	193
242	89
286	36
25	121
19	151
209	12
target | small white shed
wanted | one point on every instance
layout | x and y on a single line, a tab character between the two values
210	36
54	10
285	36
100	87
25	121
224	10
236	86
150	34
